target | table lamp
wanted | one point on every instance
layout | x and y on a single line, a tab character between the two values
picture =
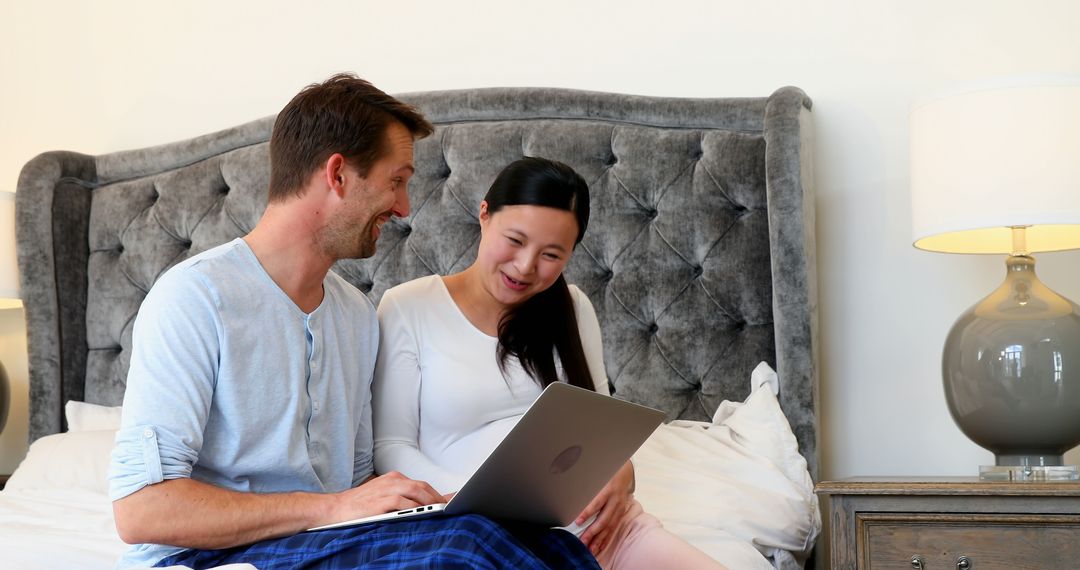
9	285
996	170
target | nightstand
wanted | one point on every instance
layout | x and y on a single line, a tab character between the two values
952	523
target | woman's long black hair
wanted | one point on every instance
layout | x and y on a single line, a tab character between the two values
546	323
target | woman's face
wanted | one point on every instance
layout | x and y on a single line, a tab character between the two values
523	249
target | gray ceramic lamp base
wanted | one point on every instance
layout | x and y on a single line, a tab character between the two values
1011	367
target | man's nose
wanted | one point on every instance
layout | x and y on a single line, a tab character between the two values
401	202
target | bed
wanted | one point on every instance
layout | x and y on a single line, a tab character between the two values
699	260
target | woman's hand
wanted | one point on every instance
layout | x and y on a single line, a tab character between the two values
610	504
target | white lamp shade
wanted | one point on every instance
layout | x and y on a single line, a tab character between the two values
989	158
9	270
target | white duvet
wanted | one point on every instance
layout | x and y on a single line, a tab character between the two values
736	488
57	528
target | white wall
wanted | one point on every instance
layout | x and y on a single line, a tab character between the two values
104	76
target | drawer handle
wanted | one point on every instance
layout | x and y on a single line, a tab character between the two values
962	563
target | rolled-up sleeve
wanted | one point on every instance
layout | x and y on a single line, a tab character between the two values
145	455
170	386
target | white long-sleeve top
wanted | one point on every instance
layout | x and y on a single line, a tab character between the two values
440	402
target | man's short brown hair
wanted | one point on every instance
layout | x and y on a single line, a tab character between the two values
343	114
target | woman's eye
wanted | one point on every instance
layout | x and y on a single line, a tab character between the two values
552	256
513	240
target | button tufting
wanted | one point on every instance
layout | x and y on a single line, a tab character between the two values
652	214
609	275
365	287
119	249
612	160
186	243
406	230
653	328
224	190
698	271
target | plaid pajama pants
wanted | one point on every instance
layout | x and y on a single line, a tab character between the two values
466	541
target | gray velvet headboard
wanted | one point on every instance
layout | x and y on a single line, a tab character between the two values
699	256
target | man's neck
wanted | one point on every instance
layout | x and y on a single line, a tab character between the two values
284	242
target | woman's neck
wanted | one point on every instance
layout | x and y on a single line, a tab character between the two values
474	301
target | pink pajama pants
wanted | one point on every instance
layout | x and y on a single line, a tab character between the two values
643	543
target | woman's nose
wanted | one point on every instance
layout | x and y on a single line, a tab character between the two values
526	263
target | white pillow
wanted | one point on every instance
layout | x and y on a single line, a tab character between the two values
71	460
90	417
742	475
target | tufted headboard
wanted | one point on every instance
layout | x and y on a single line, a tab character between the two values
699	256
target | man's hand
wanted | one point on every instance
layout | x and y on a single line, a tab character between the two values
611	503
382	494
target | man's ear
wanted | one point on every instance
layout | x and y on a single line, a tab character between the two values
334	173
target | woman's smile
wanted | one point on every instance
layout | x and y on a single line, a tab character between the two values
514	284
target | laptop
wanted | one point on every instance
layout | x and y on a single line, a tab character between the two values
562	451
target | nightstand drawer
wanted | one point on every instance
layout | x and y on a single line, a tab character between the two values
890	540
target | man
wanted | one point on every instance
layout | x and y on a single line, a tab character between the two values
247	415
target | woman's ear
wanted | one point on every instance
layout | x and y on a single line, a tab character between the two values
484	214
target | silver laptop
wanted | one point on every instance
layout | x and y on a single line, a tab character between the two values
565	448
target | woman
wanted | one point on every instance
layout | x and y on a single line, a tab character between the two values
462	357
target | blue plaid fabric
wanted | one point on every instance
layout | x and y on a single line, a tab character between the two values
466	541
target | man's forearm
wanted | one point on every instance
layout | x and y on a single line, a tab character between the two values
192	514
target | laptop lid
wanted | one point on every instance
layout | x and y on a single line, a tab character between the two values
562	451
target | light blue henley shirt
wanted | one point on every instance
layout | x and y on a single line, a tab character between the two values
232	384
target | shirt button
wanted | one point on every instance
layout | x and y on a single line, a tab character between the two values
148	433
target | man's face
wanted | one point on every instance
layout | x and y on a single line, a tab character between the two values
372	200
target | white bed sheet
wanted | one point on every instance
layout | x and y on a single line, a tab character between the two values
73	528
65	529
59	528
736	488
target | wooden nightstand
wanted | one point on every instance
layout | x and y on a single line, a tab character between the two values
948	523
